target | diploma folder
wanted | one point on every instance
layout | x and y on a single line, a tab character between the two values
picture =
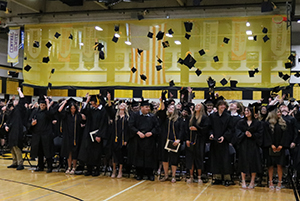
92	134
170	147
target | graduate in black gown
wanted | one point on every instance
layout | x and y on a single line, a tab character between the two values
71	131
196	139
15	128
170	129
94	133
40	125
119	134
142	142
220	136
278	142
249	132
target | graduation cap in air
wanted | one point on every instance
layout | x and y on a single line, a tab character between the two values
3	5
255	38
285	77
187	36
139	51
233	83
117	28
291	57
211	82
25	58
288	65
101	55
71	37
27	68
171	83
266	38
52	70
98	46
270	108
280	74
13	74
160	35
133	69
189	61
216	58
57	35
265	30
46	59
165	44
297	75
223	81
140	16
180	61
251	73
36	44
266	6
198	72
115	39
188	26
159	60
256	70
158	67
143	77
150	35
48	45
49	85
163	95
226	40
202	52
170	31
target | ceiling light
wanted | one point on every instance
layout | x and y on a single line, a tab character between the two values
177	42
127	42
250	38
169	35
117	35
249	32
248	24
98	28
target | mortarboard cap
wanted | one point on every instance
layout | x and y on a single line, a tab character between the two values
133	69
145	103
115	39
266	6
270	108
52	70
57	35
202	52
36	44
180	61
46	59
165	44
27	68
223	81
98	46
49	85
170	31
139	51
280	74
71	101
233	83
13	74
117	28
216	58
198	72
25	58
276	89
93	98
265	30
189	61
41	100
143	77
211	82
101	55
188	26
256	70
297	74
160	35
266	38
71	37
140	16
187	109
150	35
251	73
288	65
48	45
187	36
159	60
158	67
291	57
226	40
285	77
255	38
171	83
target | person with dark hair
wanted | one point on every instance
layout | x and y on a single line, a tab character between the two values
171	132
197	135
220	136
249	132
94	133
15	128
141	142
71	131
40	124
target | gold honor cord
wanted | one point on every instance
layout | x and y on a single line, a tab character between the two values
75	130
116	130
173	130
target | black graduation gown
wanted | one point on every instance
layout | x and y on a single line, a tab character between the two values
277	137
15	124
166	125
3	119
235	120
42	132
71	133
141	152
249	147
292	127
195	153
220	158
96	119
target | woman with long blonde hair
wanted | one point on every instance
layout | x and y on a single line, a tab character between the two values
278	142
120	119
195	141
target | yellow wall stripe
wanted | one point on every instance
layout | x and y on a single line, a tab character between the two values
57	92
28	91
11	87
256	95
231	95
82	93
123	93
151	93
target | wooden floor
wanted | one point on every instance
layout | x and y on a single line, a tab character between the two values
28	185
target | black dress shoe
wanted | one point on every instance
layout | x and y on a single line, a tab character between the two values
38	169
151	178
87	173
49	170
139	177
217	182
228	183
12	166
20	167
95	173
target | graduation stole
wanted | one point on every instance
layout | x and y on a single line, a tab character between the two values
75	130
116	130
173	130
2	120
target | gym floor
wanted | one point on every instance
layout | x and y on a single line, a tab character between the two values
29	185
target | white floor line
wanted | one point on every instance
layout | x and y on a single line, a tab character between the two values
202	192
124	190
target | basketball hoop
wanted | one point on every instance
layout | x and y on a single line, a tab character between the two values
278	19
